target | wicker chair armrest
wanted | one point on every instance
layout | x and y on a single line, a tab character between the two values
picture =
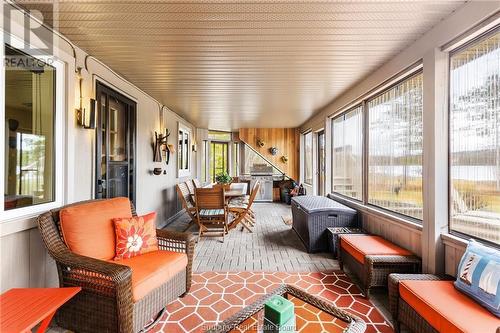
97	277
175	241
178	242
393	285
112	271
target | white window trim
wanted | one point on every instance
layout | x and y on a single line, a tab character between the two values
181	172
59	136
303	152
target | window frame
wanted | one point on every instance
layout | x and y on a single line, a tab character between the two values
363	205
304	135
482	36
204	161
360	104
181	171
366	110
59	135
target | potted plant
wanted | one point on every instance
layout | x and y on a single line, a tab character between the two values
224	179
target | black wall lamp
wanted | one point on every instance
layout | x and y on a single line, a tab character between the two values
81	115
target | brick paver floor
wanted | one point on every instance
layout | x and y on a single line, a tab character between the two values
273	246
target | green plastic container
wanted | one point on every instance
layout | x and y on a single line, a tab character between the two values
278	310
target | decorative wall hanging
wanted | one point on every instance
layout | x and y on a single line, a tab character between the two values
260	143
273	150
284	159
159	144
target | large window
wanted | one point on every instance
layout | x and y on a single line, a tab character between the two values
29	142
347	153
308	158
475	139
395	148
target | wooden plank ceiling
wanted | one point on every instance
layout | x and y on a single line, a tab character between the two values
227	65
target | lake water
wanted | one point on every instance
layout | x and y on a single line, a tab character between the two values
465	172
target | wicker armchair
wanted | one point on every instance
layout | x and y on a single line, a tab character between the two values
105	303
401	312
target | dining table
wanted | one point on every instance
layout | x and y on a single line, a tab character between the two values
236	190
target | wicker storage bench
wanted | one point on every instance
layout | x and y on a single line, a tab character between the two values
371	259
312	215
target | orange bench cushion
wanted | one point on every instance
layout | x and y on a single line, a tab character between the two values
445	308
152	269
88	228
360	246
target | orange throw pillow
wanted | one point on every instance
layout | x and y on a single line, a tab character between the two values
135	236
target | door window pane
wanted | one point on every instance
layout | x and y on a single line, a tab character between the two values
218	159
308	165
29	137
395	148
117	131
475	140
347	134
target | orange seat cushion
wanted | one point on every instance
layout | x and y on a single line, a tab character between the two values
360	246
88	228
152	269
446	309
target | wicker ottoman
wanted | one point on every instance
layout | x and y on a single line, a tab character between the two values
371	259
313	215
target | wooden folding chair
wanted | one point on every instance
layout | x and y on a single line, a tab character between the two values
196	183
191	187
187	202
243	210
211	212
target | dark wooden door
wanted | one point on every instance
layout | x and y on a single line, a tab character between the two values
115	144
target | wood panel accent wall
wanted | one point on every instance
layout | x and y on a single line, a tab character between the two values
287	140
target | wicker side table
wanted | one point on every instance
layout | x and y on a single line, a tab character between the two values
333	237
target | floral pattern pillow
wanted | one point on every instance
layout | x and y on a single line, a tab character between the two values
135	236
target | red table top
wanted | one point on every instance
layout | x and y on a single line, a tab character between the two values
23	308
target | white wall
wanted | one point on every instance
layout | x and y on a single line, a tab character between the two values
23	259
428	50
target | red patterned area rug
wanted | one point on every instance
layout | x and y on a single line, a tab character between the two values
215	296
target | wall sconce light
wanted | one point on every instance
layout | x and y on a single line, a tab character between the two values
82	117
194	147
